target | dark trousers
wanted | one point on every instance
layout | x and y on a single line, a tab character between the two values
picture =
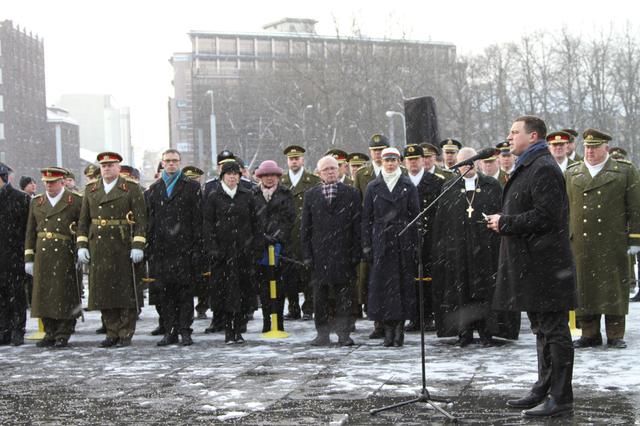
120	322
57	328
269	305
177	305
296	279
332	307
555	355
13	305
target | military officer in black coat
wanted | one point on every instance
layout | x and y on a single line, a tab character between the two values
14	209
536	271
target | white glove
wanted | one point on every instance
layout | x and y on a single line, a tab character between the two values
28	268
137	255
633	250
83	255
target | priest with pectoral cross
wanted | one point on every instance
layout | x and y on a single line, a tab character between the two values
466	260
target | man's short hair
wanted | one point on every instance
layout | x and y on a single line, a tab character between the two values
171	151
534	124
327	159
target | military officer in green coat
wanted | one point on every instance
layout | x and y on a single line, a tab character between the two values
296	276
111	237
490	167
571	145
50	258
604	197
356	160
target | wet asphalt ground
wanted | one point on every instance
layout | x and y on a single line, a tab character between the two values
287	382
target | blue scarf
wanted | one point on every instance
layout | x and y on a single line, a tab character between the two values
541	145
170	180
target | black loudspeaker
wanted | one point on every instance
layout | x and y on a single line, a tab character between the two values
422	121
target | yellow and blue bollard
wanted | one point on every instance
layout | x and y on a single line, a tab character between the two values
274	333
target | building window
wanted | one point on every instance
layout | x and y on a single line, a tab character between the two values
1	131
0	75
1	103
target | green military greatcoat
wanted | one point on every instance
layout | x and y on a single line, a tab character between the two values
103	228
49	244
604	222
307	181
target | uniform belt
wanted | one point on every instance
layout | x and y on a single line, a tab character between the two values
53	235
113	222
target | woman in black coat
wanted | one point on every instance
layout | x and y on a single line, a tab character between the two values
390	203
276	214
230	227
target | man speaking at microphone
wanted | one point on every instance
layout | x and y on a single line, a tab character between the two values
536	271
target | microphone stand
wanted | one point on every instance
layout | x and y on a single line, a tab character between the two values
424	395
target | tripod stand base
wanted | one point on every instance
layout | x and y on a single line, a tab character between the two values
425	398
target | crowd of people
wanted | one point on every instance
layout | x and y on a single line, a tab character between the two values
533	228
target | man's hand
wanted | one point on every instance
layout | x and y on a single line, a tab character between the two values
136	255
493	222
83	255
633	250
28	268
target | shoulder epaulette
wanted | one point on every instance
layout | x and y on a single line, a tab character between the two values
128	179
212	179
623	161
574	164
37	196
439	175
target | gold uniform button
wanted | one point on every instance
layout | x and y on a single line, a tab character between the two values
585	194
584	235
585	220
49	235
584	207
103	222
599	220
600	233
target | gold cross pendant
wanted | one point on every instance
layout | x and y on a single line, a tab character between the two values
470	211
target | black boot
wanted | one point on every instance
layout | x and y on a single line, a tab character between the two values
186	338
229	335
388	334
17	338
102	330
238	321
378	330
266	321
169	339
398	334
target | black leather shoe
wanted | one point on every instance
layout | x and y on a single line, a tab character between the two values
168	339
45	343
17	339
239	339
616	343
186	339
345	341
61	343
321	340
109	342
377	333
292	316
464	340
102	330
587	342
201	316
529	401
388	336
307	317
158	331
124	342
412	326
398	334
549	408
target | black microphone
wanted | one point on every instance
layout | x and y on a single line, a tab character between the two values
482	155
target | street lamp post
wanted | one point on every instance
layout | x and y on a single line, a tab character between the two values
304	123
390	115
212	124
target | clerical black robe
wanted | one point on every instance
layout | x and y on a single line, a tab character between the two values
465	262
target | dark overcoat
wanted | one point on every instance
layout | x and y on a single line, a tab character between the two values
14	210
465	262
536	272
174	232
275	218
331	234
392	258
428	190
230	228
49	243
306	182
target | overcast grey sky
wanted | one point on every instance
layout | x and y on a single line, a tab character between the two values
122	47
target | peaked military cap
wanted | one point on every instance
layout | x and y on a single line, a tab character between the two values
192	172
618	153
572	132
450	145
429	150
225	156
338	154
294	151
357	158
378	141
92	171
126	170
52	174
504	148
593	137
559	137
413	151
109	157
4	169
